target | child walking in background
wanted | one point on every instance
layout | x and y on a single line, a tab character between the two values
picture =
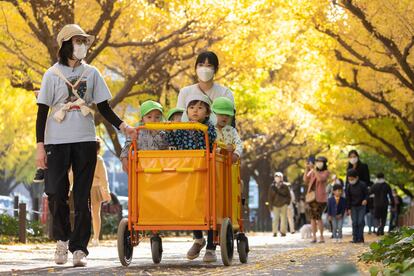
198	110
150	112
226	134
336	211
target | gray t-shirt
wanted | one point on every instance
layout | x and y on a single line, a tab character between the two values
54	92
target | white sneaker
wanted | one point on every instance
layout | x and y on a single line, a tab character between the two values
339	240
210	256
79	258
61	253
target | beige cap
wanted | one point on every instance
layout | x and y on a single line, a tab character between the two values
71	30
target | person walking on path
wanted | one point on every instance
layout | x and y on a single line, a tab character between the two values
382	199
316	178
354	162
206	67
395	210
279	199
291	210
99	193
66	138
336	211
356	197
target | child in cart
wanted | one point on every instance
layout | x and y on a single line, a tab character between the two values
226	134
198	110
175	114
150	112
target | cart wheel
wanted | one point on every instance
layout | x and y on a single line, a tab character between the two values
243	248
125	248
156	249
226	242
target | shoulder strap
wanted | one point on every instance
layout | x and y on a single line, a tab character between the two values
56	70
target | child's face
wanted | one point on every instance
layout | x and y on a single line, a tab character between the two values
152	117
223	120
197	112
176	117
338	193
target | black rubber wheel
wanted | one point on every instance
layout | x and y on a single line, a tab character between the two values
226	242
243	249
156	249
125	248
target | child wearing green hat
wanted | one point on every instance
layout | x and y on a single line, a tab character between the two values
175	114
226	134
150	112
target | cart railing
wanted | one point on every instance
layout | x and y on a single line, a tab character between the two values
133	203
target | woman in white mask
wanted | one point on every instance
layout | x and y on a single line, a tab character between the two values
66	138
316	180
206	67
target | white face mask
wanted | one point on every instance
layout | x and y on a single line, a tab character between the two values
79	51
278	179
380	180
205	74
353	160
319	165
352	182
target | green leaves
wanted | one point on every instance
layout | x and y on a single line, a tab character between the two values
395	251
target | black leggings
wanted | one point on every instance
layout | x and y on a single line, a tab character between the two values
60	158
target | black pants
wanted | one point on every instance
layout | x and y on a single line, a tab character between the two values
60	158
198	234
381	216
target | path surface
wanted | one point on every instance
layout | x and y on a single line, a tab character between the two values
269	256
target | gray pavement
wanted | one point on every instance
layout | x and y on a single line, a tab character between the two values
289	255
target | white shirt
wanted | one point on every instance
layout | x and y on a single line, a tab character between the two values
214	92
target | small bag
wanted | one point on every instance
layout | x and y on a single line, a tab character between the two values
310	195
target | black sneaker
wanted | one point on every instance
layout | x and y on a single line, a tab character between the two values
40	176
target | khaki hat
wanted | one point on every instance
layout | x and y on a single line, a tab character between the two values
71	30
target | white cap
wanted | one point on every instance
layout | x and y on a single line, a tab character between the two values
197	97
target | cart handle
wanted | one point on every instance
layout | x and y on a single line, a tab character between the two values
174	126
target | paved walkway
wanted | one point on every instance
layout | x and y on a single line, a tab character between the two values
269	256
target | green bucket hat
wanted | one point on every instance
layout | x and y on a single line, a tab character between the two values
148	106
174	110
223	106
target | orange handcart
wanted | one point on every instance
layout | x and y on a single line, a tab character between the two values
182	190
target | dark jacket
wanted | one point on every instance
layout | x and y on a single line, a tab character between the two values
355	194
383	195
336	209
278	196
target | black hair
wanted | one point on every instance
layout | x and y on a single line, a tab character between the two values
353	152
380	175
203	103
65	52
337	187
211	57
352	173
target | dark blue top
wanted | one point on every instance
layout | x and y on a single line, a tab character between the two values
334	209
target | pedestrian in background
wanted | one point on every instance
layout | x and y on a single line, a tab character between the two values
382	199
316	178
336	211
356	198
279	199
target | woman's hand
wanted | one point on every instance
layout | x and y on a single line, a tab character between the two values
128	130
41	158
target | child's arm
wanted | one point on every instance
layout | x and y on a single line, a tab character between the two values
237	142
212	135
124	155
